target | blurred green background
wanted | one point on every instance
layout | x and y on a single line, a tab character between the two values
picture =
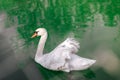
94	23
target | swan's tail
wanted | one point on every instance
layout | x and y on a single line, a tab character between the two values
84	65
89	63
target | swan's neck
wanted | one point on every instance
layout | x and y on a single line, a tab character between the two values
41	45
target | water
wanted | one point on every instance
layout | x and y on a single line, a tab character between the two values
94	23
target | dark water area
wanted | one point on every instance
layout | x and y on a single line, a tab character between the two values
94	23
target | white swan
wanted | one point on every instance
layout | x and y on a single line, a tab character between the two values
63	57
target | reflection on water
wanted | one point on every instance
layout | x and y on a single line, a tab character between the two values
95	23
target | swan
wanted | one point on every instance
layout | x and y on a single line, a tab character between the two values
63	57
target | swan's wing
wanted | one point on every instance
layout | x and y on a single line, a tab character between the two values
69	46
57	58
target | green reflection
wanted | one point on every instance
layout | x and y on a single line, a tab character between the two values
60	17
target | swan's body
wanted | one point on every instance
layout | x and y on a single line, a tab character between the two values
63	57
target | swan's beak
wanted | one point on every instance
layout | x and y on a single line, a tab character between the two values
34	35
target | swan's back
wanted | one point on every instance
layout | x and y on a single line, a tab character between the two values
60	53
64	57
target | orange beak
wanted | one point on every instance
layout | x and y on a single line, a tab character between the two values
34	35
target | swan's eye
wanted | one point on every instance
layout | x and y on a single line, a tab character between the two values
36	32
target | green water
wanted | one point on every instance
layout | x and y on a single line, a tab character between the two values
94	23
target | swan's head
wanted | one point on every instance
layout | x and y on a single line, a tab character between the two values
39	32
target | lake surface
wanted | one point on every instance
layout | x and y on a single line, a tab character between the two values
94	23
